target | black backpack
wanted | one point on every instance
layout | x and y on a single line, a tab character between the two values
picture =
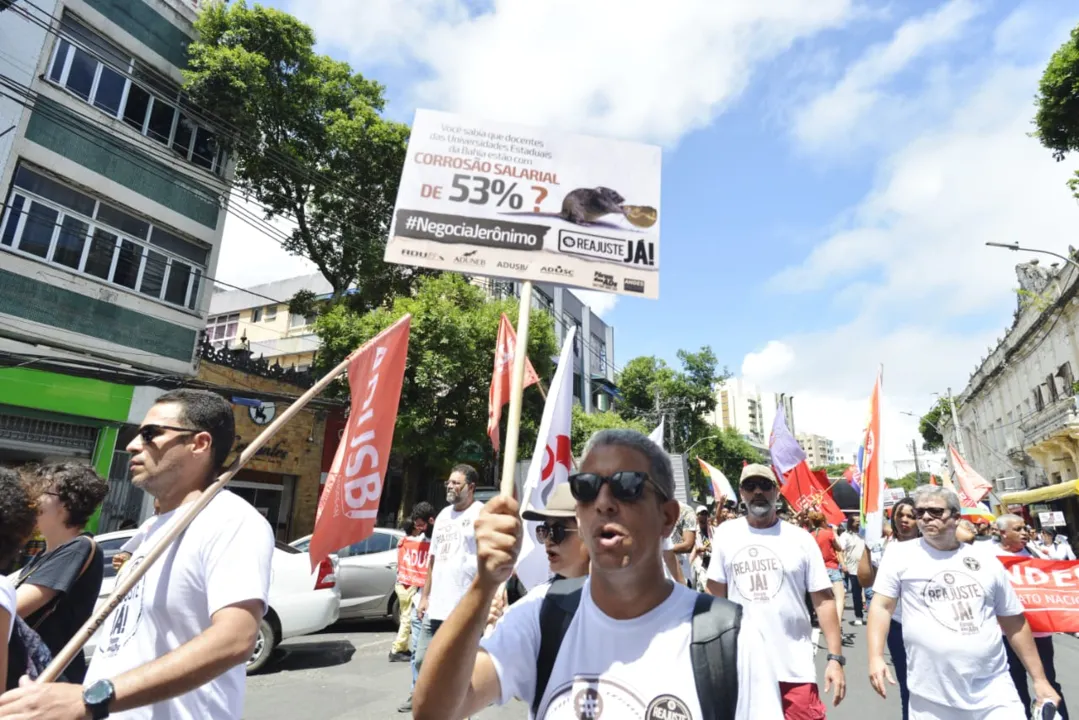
713	646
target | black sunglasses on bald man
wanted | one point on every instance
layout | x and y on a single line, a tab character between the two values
753	484
626	486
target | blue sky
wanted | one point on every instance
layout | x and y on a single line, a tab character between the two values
831	169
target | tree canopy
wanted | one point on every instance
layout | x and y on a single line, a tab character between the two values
834	470
309	141
728	451
443	409
929	423
585	425
1057	117
684	397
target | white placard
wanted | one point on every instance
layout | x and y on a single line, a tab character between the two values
511	201
1051	519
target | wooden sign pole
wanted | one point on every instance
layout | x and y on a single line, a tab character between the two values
129	580
513	423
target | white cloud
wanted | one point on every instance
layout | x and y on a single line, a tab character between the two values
251	253
623	68
600	302
775	359
910	264
837	113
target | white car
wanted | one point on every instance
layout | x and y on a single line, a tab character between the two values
301	601
366	574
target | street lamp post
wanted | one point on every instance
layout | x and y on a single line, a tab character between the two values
709	437
1015	247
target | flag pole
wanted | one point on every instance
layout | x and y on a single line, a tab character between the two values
513	423
128	580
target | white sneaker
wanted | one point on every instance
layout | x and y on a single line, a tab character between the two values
857	623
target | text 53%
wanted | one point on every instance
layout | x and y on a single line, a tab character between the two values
480	190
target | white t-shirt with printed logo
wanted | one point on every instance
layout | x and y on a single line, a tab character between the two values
632	669
7	602
768	572
951	601
453	546
223	558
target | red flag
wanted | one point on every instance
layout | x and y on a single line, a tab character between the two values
502	378
805	489
932	479
1048	590
349	503
872	482
972	486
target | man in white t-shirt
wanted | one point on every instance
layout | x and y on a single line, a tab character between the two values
767	566
625	651
1015	541
956	600
177	645
853	549
451	563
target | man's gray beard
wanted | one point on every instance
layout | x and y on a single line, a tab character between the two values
451	497
760	511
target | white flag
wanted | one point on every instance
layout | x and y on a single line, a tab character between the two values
551	463
657	435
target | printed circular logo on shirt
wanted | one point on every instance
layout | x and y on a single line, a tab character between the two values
592	698
667	707
972	564
757	573
955	600
126	616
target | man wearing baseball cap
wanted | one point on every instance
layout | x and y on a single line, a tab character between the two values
767	566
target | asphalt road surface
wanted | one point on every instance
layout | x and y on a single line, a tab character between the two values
343	673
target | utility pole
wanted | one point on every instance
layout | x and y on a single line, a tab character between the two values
955	423
917	467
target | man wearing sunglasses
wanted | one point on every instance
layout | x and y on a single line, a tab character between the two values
956	601
626	648
177	644
767	566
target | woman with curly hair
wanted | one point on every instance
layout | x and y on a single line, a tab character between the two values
57	590
17	517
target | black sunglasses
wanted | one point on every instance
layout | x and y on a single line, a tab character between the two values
626	486
149	432
933	512
556	531
753	484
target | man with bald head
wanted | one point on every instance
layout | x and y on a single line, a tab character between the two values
1015	541
625	648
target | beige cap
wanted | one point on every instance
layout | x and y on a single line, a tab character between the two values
758	471
561	504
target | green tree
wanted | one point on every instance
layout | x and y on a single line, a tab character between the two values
834	470
1057	101
443	410
309	141
584	425
909	481
684	397
929	425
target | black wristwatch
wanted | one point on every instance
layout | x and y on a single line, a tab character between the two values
97	698
838	658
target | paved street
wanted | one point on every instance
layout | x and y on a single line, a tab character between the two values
343	673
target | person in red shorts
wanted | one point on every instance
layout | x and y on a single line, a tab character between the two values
767	566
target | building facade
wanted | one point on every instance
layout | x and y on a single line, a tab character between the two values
819	450
744	407
250	319
593	349
1018	416
110	227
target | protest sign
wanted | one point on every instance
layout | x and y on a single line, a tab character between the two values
1049	591
509	201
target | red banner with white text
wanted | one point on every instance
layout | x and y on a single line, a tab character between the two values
1049	591
412	560
348	506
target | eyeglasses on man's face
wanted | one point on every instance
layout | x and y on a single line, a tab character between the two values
151	431
935	513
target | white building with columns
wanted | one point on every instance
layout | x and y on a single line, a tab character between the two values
1018	414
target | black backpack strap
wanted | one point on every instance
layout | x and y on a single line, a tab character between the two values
556	613
713	651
